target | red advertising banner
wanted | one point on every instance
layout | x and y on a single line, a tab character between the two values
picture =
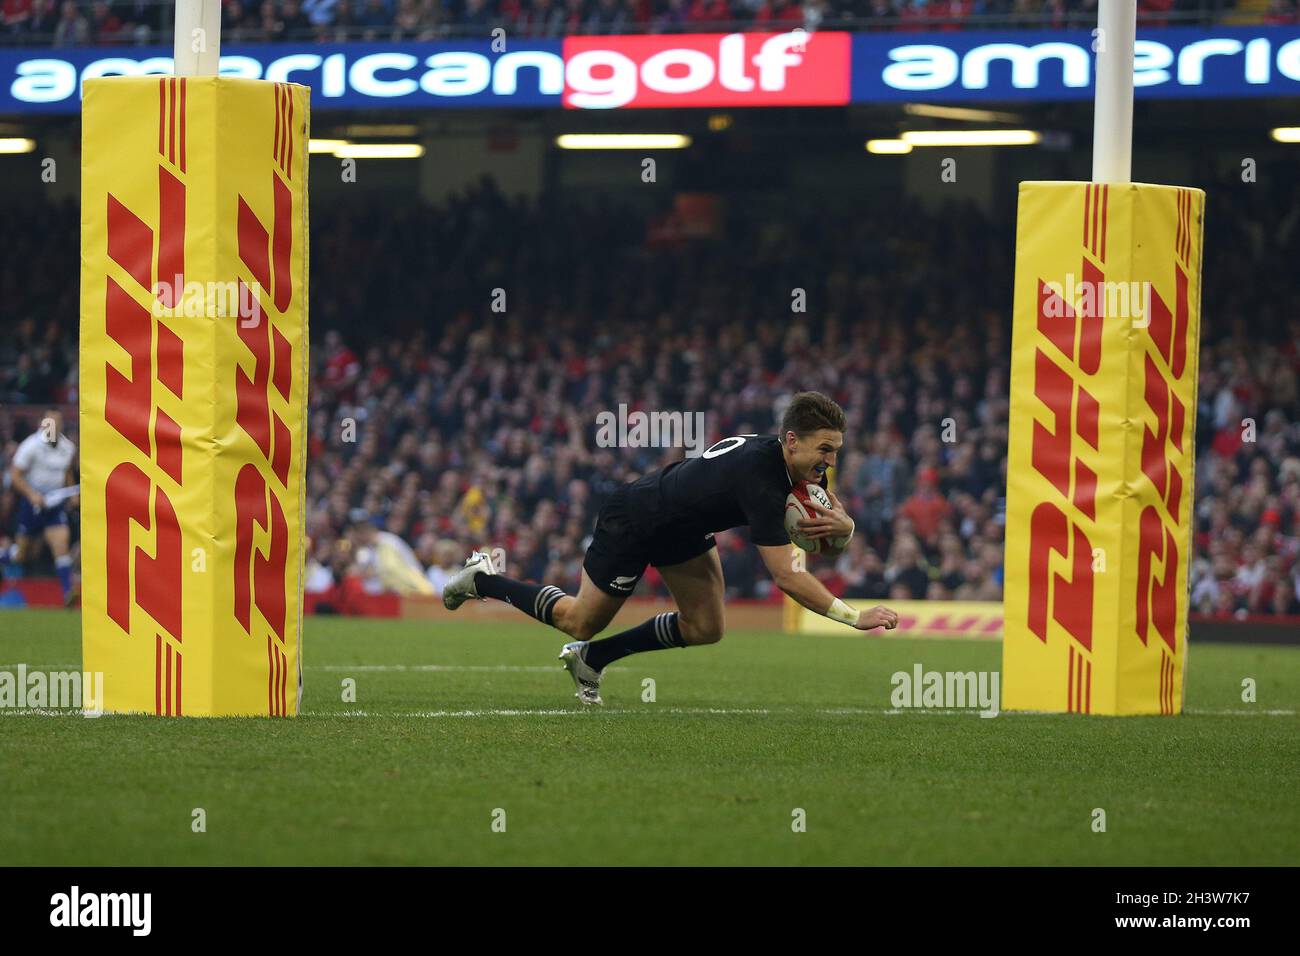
734	69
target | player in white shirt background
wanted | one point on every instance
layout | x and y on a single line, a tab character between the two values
45	463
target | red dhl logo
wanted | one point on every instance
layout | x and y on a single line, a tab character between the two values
259	579
1070	341
1076	338
977	624
131	494
1160	527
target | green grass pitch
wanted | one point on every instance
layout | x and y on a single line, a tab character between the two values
739	736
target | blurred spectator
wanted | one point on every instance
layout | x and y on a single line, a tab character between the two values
141	20
673	17
878	482
861	570
778	15
296	23
15	15
444	558
320	13
610	17
541	18
926	507
44	20
239	19
374	14
708	11
477	17
147	21
1280	13
105	27
383	561
73	29
906	573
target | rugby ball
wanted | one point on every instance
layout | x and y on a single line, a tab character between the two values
796	509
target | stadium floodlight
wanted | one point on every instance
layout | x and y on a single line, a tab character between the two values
622	141
326	145
972	137
17	145
1286	134
379	151
382	129
958	113
888	146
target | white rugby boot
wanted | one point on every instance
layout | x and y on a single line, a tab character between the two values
585	678
460	586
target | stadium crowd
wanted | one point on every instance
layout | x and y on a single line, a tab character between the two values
437	425
99	22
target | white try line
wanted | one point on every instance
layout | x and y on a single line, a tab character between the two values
508	712
653	711
753	711
381	668
436	668
575	711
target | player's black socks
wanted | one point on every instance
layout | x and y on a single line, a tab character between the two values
535	600
659	632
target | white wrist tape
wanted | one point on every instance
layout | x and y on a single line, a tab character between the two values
839	611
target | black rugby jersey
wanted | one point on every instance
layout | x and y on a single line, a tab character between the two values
741	480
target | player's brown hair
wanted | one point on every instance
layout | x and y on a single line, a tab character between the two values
812	411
